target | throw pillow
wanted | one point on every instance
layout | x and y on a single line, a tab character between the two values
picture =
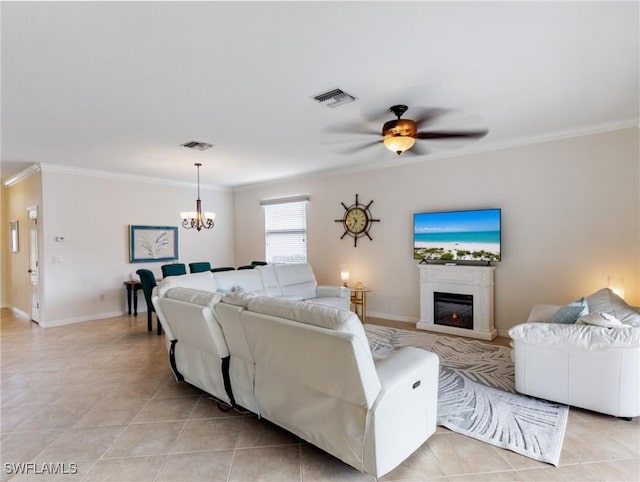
238	298
606	301
569	313
599	319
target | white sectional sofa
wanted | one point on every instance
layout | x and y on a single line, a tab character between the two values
593	363
293	281
304	366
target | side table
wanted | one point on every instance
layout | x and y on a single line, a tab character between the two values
132	292
359	302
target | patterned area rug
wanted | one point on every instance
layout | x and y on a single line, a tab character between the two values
476	394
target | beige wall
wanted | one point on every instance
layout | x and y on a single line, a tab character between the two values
92	213
570	218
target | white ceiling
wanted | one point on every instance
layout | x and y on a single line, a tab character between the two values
118	86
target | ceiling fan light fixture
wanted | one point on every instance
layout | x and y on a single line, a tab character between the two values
398	144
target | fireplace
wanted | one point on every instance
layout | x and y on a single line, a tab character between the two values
453	309
457	300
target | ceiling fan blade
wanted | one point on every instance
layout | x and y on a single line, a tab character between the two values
359	148
351	128
451	135
416	150
427	115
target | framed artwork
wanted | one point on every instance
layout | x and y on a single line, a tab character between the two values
152	243
13	236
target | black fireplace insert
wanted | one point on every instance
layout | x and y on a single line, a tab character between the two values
453	309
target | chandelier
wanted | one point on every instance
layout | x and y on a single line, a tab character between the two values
197	219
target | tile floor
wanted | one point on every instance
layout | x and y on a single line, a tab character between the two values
98	399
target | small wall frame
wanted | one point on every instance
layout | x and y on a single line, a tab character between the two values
153	243
14	240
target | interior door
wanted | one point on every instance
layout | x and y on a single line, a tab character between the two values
34	277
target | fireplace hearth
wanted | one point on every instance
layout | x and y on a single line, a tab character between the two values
453	309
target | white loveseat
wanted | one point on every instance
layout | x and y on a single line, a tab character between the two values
307	368
593	363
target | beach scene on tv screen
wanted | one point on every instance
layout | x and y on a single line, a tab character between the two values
457	235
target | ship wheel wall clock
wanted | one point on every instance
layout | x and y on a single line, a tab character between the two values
357	221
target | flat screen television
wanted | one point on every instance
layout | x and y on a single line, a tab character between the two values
453	236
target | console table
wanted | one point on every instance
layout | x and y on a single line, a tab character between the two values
359	302
132	292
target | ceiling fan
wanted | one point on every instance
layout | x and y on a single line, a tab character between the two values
399	135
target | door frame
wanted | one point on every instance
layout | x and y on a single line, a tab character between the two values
34	264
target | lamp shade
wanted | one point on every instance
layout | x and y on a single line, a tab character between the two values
616	284
344	274
398	144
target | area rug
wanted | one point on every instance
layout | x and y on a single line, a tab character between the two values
476	393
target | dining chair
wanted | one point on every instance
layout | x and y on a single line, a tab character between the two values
222	268
148	282
199	267
173	269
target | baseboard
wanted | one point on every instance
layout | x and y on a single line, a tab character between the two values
81	319
389	316
19	313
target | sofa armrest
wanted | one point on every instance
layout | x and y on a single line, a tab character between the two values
323	291
568	337
542	313
404	414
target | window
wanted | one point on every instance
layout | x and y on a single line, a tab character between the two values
285	223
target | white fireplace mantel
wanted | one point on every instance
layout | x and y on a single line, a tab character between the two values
460	279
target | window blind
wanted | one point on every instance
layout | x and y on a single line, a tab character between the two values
286	232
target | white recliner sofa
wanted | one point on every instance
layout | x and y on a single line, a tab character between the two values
593	363
306	367
292	281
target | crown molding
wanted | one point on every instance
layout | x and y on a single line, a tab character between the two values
475	149
119	176
22	175
368	166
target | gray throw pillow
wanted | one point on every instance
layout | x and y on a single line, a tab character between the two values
606	301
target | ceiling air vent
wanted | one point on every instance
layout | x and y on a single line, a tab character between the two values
198	146
334	97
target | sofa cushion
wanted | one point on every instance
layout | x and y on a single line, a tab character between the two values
606	301
198	281
270	283
314	314
196	297
296	280
309	313
569	313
